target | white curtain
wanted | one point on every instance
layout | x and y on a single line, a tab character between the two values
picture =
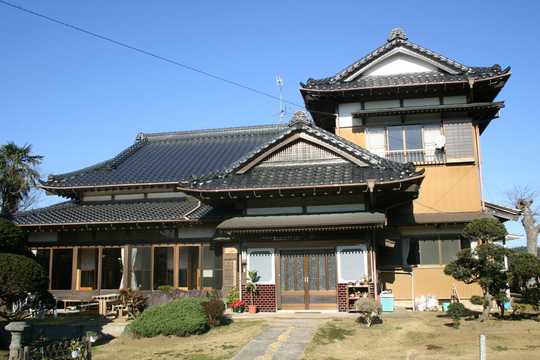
122	262
133	266
431	134
376	142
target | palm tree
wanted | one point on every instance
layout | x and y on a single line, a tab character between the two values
18	175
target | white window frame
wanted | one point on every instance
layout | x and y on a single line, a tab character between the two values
339	249
273	257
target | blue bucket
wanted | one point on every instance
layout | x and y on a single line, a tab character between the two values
445	306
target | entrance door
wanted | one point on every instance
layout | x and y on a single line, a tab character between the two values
308	279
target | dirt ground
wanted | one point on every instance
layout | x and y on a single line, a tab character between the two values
217	344
422	336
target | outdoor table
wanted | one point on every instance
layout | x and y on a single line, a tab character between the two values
103	300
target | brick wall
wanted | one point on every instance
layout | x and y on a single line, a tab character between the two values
342	297
265	299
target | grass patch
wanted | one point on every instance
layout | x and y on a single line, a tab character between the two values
423	336
220	343
332	332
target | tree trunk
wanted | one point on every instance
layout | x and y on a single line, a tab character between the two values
532	241
487	306
531	228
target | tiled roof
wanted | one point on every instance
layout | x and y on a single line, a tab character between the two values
117	212
303	176
377	168
421	78
397	39
170	157
202	156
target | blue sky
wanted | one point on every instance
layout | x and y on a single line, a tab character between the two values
80	100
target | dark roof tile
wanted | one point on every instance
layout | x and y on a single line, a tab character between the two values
117	212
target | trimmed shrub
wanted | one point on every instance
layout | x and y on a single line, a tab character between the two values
181	317
161	297
456	311
12	238
20	277
215	309
369	309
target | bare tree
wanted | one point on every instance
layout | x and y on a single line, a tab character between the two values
523	198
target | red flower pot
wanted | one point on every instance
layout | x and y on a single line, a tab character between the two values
252	309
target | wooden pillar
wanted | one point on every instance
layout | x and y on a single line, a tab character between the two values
176	266
50	267
99	265
199	268
152	267
74	270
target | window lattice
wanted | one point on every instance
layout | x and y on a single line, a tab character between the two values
301	152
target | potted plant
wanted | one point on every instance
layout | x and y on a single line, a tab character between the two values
238	306
232	297
251	288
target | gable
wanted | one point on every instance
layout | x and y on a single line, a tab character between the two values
299	153
400	60
400	64
300	149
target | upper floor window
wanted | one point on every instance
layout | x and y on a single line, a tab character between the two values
407	143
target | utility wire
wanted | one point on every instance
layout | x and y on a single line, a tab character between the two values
163	58
159	57
148	53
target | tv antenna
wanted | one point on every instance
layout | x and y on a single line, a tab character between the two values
282	110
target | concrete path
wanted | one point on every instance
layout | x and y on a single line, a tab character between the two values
284	339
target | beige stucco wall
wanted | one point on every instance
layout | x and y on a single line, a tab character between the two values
449	188
353	134
428	280
446	188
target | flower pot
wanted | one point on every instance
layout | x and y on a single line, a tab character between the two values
252	309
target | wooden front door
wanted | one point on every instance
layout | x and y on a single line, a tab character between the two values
308	279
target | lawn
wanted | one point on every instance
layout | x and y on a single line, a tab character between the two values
219	343
422	336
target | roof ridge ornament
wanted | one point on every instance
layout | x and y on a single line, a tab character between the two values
397	33
300	118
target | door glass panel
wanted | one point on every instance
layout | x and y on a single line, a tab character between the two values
189	260
87	268
112	268
141	271
212	267
292	270
163	266
62	266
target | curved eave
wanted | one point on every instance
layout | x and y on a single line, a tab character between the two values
109	224
413	179
306	90
73	190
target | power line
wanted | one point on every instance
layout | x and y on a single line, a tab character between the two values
165	59
148	53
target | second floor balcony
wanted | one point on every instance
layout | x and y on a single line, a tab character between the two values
420	156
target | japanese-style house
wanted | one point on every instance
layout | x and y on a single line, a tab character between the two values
369	191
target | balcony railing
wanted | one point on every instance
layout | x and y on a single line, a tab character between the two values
416	156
